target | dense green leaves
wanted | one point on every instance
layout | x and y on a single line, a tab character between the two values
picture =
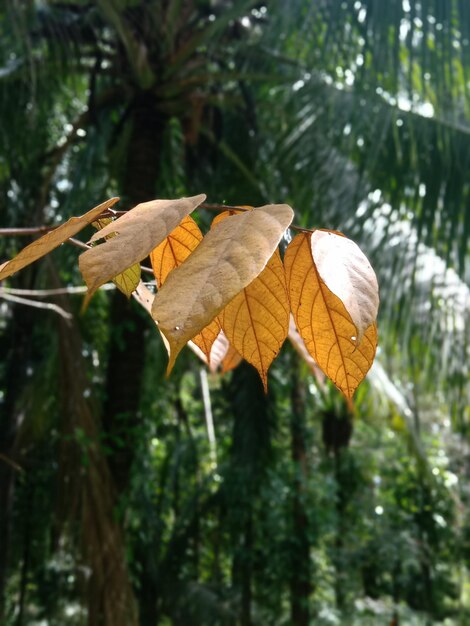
355	113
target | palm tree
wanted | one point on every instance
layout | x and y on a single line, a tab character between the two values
141	77
353	112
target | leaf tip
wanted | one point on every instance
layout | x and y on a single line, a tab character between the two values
264	380
86	301
200	198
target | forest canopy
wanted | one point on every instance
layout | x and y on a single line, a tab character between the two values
324	139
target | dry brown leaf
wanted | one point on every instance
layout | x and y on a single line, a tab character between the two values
228	259
138	232
256	321
346	271
173	251
324	323
53	239
128	281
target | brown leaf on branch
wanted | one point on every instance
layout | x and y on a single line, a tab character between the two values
53	239
323	322
228	259
137	232
128	281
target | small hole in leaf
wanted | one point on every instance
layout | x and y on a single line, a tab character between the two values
353	338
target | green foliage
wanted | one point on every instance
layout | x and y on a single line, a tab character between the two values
328	106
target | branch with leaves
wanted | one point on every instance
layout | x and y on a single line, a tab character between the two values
229	294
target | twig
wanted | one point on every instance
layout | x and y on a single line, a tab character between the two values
110	213
44	293
8	461
33	230
78	244
38	305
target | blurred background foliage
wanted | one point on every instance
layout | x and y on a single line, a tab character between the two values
117	506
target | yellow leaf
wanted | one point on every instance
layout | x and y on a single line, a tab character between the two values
231	360
221	216
138	232
170	254
175	249
256	321
228	259
299	346
53	239
205	339
324	323
128	280
223	355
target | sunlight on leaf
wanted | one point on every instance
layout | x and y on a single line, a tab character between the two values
228	259
231	360
256	321
346	271
170	254
205	339
175	249
299	346
323	322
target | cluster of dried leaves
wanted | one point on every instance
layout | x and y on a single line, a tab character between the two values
228	293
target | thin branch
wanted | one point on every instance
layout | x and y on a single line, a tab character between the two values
33	230
78	244
38	230
44	293
9	461
37	305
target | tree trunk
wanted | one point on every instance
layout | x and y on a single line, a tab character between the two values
127	326
110	596
127	333
300	582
